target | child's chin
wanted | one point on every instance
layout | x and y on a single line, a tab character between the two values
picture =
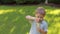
40	20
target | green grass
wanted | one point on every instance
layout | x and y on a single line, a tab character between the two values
12	19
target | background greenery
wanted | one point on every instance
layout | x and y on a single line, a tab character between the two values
26	1
12	19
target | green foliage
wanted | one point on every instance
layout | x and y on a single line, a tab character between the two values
28	1
54	1
6	1
20	1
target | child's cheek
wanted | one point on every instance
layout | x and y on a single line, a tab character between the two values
37	20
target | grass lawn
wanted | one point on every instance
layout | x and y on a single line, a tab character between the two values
12	19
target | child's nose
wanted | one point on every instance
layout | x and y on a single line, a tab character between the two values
39	18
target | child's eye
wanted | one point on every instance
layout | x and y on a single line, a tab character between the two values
38	17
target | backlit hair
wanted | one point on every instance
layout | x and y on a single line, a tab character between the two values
40	10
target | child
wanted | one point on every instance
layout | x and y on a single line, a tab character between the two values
38	25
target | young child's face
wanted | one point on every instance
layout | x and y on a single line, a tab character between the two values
39	17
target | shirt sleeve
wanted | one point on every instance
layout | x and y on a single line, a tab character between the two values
46	27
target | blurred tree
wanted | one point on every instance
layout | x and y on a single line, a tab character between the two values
6	1
20	1
28	1
46	1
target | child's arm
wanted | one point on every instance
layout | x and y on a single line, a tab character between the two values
30	17
42	31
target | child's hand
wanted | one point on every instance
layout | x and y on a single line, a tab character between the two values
38	29
28	17
41	30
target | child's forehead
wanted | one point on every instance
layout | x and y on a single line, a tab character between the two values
40	11
38	14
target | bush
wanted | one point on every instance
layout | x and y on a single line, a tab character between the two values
54	1
28	1
20	1
6	1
